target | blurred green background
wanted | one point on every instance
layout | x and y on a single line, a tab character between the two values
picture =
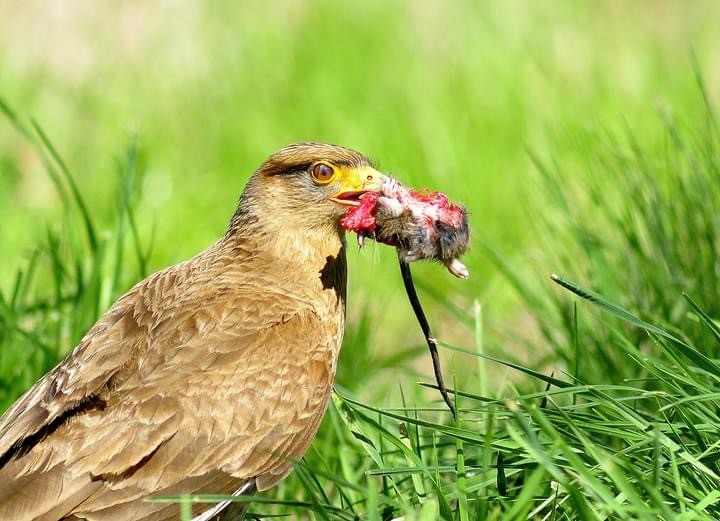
445	95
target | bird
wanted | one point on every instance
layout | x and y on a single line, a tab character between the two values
210	376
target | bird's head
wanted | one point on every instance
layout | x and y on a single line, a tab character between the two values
308	186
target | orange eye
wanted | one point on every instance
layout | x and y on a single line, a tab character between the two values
323	173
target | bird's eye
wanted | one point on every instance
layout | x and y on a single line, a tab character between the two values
323	173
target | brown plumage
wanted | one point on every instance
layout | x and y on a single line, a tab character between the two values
205	377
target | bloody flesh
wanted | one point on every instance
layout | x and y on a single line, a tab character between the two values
445	211
361	219
420	224
435	207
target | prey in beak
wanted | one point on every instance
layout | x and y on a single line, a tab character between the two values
355	182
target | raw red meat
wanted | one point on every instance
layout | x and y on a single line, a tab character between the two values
361	219
420	224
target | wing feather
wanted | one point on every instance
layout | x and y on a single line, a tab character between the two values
161	390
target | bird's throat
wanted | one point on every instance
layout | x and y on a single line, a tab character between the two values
312	257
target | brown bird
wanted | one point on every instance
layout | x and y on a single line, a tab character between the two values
211	376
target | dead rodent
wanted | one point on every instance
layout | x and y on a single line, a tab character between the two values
420	225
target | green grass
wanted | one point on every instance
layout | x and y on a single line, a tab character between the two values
582	140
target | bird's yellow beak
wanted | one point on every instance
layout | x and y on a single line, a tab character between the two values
356	181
